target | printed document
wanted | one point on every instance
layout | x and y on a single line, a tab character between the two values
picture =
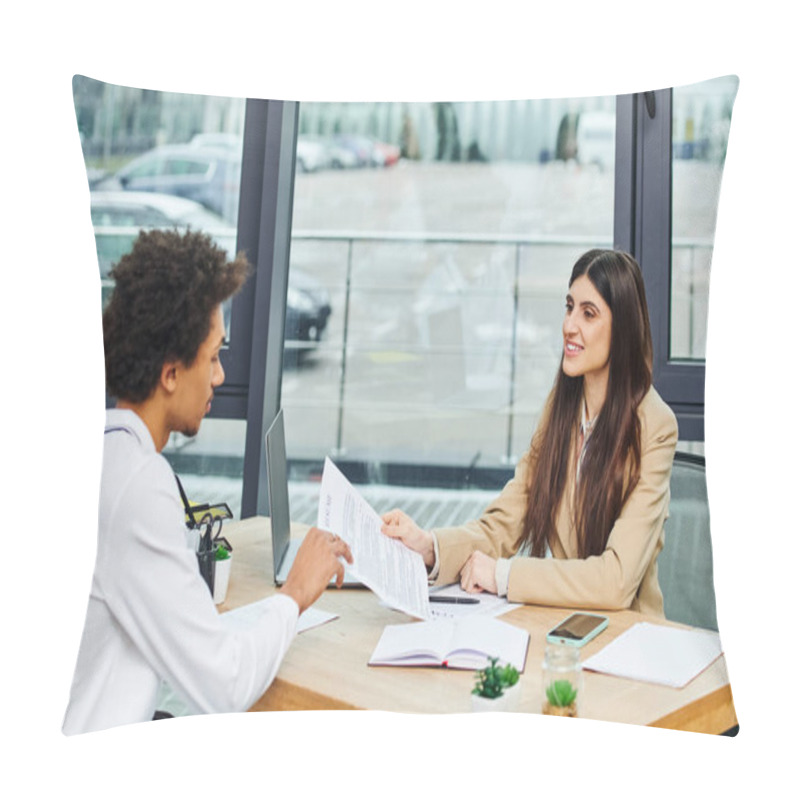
393	571
479	603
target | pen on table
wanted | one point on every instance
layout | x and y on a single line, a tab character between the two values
460	600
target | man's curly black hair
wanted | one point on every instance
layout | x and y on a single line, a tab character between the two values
160	310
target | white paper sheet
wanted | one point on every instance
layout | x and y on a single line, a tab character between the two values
657	654
393	571
243	617
489	605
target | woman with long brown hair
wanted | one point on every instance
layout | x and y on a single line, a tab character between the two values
581	523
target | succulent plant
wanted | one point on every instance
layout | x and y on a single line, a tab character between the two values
492	680
561	694
221	553
510	675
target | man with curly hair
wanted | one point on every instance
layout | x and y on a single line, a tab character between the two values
151	617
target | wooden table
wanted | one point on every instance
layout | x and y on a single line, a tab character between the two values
326	667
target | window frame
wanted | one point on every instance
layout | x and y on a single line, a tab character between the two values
643	226
254	362
264	234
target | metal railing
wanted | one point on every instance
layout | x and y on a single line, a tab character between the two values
517	243
350	240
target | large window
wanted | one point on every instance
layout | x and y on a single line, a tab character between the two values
701	117
669	166
167	160
411	263
436	241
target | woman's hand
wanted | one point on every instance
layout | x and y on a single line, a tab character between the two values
478	574
398	525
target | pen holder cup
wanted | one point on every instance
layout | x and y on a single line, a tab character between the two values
207	564
222	574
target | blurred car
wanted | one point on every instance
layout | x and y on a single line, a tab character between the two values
205	174
389	152
229	141
118	217
339	156
362	148
313	154
367	151
308	307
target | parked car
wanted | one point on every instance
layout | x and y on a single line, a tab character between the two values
389	152
313	154
229	141
367	151
118	216
362	148
205	174
308	307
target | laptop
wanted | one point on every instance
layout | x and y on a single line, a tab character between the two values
284	547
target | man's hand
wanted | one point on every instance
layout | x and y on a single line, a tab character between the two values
316	562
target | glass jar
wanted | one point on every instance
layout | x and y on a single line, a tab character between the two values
562	680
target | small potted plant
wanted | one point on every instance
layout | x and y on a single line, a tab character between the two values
222	573
496	688
560	700
562	681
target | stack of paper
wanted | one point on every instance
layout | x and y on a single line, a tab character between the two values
657	654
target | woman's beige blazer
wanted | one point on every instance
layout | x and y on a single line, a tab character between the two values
623	576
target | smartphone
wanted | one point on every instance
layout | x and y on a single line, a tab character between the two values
577	629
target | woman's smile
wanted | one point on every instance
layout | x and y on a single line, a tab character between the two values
586	331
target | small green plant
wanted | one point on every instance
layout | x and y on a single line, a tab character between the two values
492	680
221	553
561	694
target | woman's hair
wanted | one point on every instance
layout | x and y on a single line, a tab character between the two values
612	458
166	289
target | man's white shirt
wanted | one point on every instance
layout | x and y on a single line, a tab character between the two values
150	615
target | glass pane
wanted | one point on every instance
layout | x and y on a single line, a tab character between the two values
158	159
165	160
431	248
701	117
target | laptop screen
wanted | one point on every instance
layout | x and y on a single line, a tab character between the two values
278	492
